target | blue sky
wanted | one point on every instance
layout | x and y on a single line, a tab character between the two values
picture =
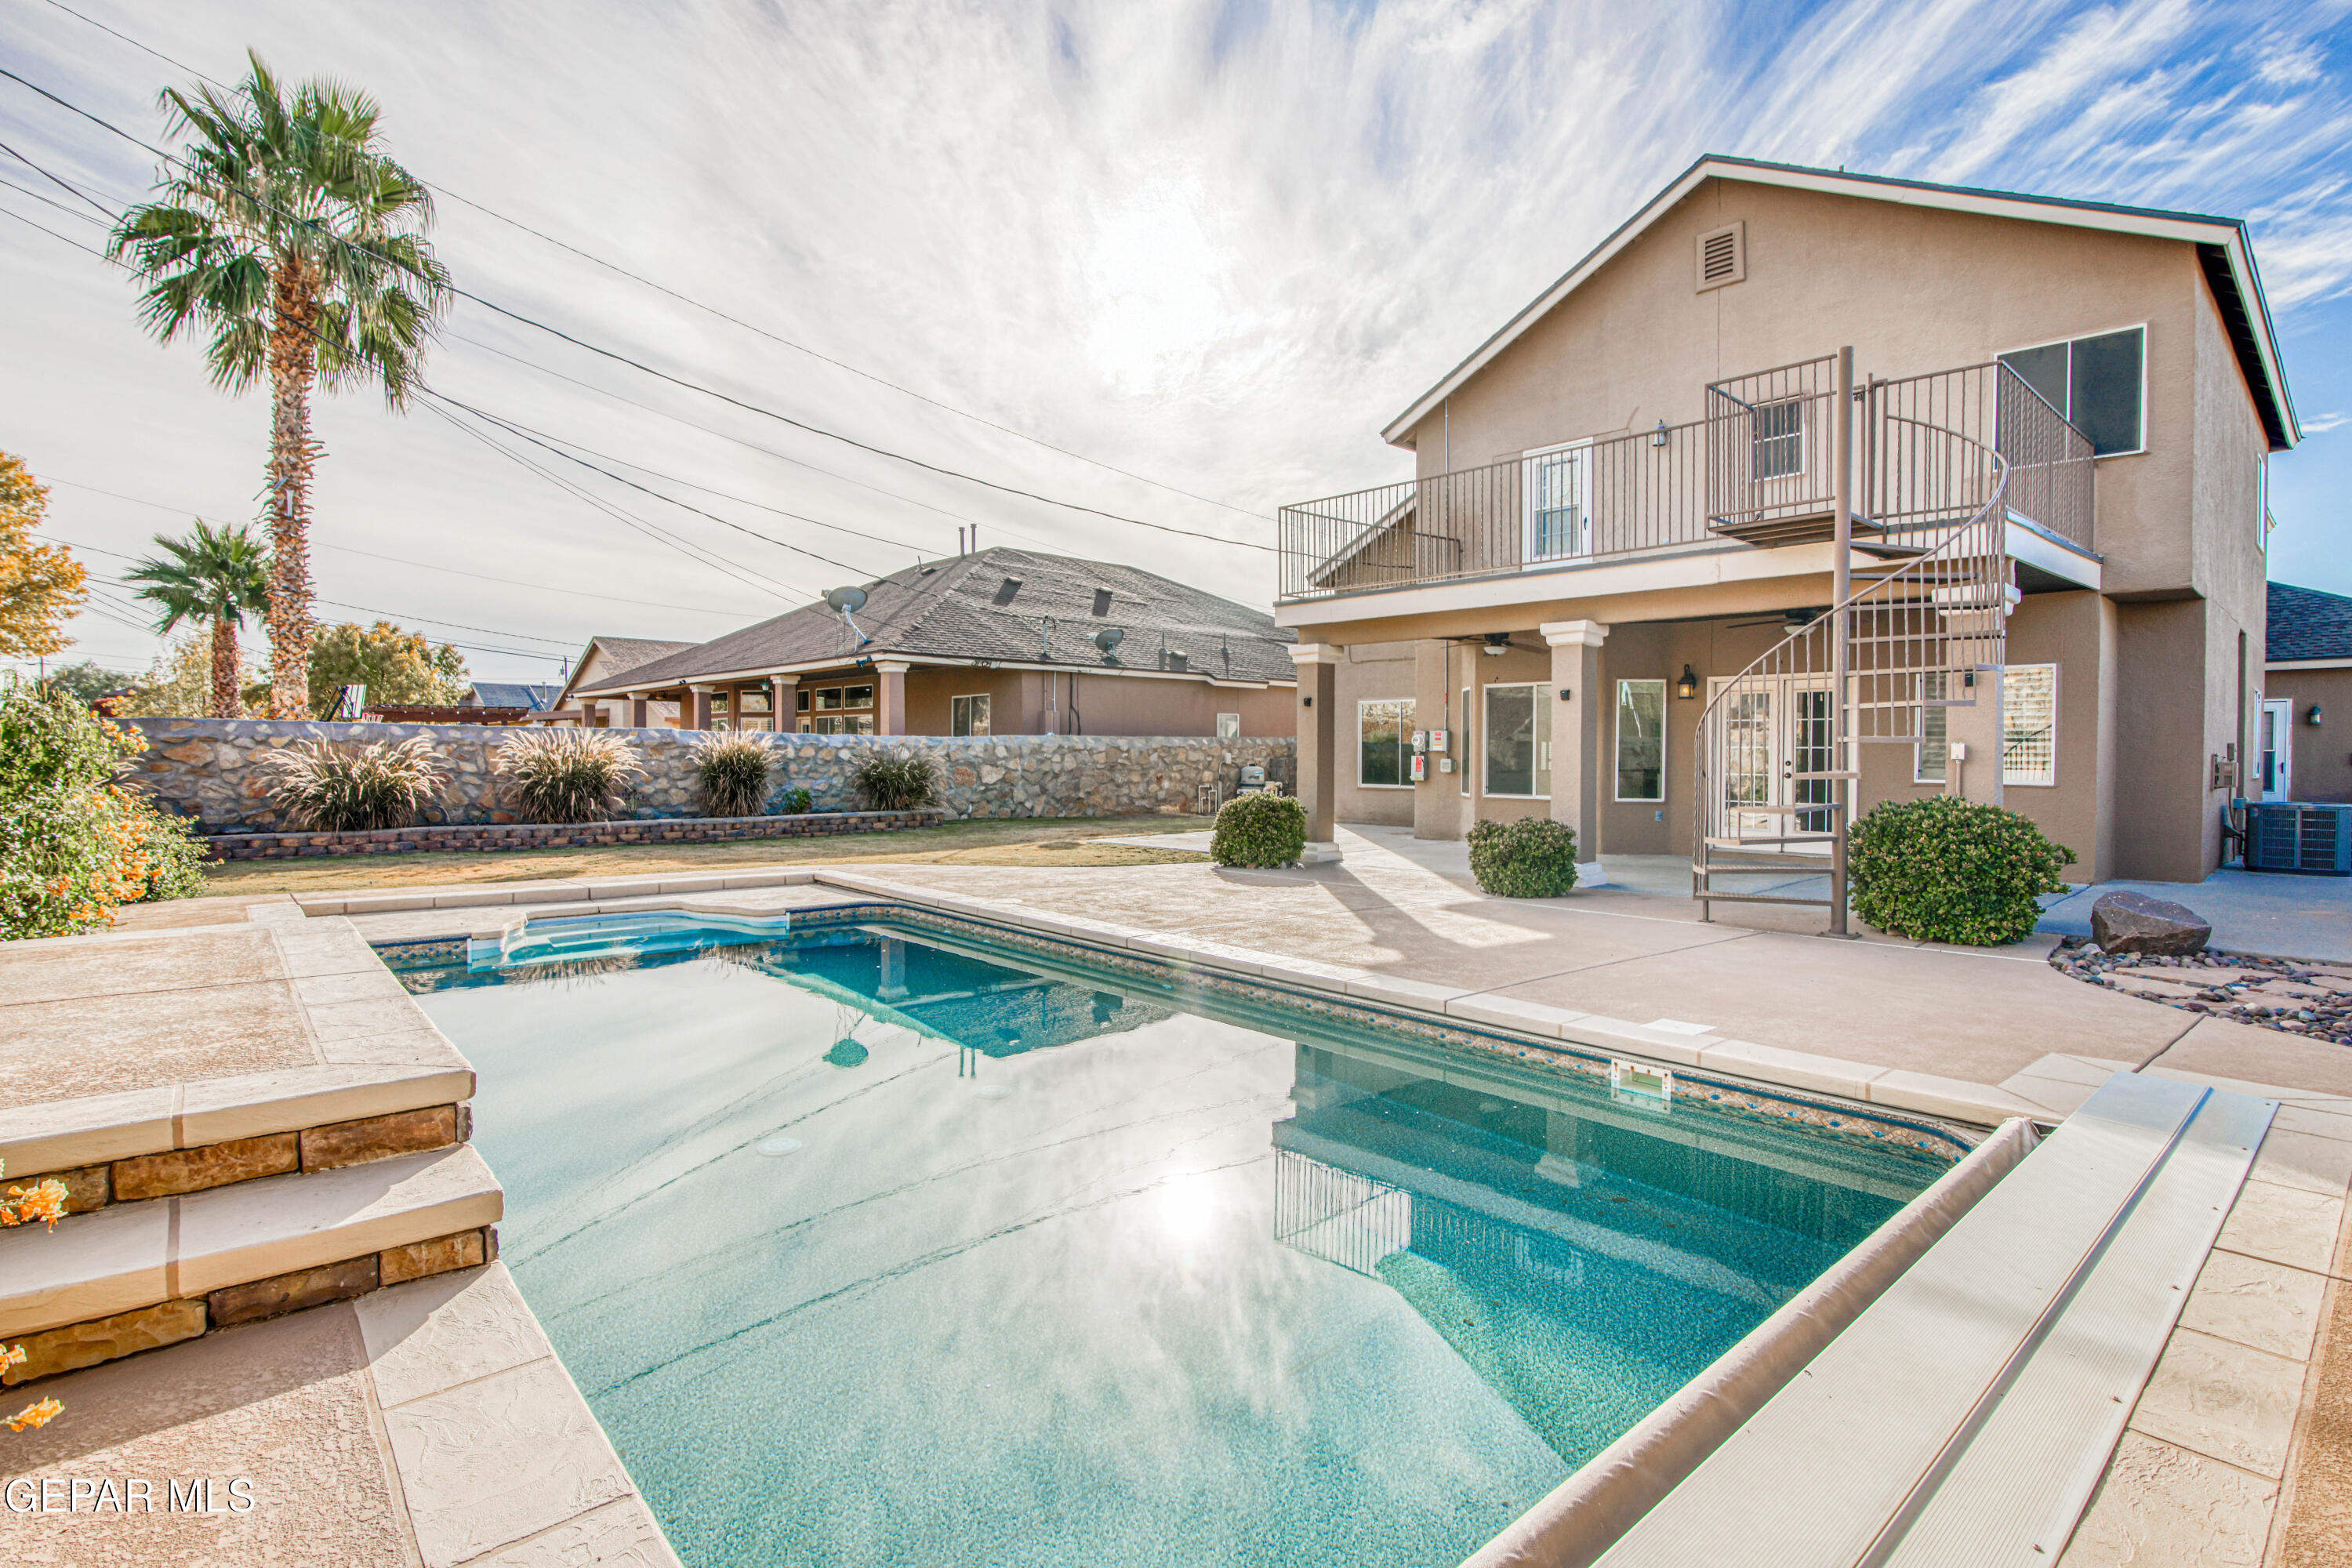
1217	245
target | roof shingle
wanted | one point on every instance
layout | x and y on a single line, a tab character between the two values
995	605
2308	623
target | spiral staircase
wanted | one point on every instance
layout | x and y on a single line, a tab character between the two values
1914	483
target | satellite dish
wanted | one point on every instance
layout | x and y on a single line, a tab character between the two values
1108	639
845	599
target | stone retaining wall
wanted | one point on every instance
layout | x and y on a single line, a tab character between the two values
205	768
483	836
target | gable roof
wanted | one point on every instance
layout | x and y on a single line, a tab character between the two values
2308	623
992	607
2223	247
620	653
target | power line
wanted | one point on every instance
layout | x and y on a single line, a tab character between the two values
687	383
722	315
400	559
674	541
661	413
364	609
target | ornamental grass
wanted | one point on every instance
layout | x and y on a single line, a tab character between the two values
567	775
333	788
731	773
890	779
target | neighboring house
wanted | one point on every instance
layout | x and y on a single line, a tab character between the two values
1004	642
602	658
2306	698
1604	596
510	694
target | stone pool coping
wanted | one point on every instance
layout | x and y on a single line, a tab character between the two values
1901	1090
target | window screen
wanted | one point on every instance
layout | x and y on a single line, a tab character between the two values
968	715
1384	738
2028	724
1641	739
1518	739
2094	381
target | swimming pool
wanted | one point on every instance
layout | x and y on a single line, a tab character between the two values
895	1239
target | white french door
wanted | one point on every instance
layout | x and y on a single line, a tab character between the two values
1774	730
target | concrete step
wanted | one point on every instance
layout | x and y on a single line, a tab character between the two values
132	1255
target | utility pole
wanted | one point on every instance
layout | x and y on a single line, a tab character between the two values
1842	768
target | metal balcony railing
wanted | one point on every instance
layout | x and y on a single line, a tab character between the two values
1757	470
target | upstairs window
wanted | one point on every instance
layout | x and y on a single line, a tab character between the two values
1779	439
2099	383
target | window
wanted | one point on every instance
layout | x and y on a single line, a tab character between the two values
1229	726
857	697
1384	740
1641	739
1559	490
1518	741
2098	383
1933	762
800	701
1722	255
844	724
828	701
968	715
1779	439
2028	724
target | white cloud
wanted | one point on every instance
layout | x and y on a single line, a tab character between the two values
1214	241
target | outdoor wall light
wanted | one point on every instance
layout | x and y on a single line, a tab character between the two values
1658	435
1687	687
2312	717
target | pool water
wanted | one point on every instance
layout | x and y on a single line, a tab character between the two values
870	1245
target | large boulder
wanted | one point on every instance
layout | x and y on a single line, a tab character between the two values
2134	922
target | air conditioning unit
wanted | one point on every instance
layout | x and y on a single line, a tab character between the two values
2289	836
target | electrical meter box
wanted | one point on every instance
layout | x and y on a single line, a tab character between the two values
1419	767
1437	741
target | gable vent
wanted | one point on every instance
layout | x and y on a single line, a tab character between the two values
1722	257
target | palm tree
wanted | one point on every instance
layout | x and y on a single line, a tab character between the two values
285	232
220	575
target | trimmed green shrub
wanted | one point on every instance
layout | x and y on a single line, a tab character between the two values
731	773
1532	857
1946	870
797	803
328	788
73	846
567	775
1259	829
890	779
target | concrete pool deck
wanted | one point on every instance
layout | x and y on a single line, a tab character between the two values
2233	1453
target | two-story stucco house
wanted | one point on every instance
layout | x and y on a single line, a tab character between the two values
2017	445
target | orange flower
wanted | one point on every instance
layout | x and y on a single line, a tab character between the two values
43	1201
39	1415
9	1357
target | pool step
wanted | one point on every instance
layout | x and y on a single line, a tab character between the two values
132	1276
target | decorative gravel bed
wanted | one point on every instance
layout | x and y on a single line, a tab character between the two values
2311	999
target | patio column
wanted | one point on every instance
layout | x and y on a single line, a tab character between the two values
783	700
890	697
1438	802
1577	770
637	704
1318	745
700	716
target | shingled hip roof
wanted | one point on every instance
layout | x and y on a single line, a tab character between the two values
1000	606
2308	624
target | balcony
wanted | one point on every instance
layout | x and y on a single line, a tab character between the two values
1756	473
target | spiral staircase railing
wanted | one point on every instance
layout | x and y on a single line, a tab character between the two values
1927	509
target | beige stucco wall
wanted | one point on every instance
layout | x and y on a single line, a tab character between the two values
1027	702
1371	671
2322	753
2150	684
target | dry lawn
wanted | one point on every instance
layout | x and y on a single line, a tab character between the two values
1037	841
